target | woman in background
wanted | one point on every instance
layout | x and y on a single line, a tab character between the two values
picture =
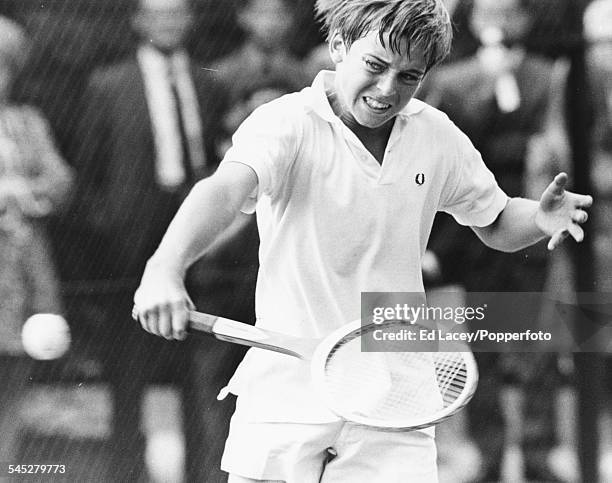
34	181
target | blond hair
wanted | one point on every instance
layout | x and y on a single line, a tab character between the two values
422	23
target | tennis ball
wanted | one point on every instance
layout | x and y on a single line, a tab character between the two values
45	336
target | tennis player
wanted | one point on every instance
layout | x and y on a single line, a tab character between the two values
345	177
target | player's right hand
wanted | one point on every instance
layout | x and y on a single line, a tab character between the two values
162	304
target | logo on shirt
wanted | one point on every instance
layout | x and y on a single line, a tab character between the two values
419	179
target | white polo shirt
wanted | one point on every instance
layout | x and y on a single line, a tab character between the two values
334	223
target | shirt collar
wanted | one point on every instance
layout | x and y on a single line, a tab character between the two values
153	55
319	103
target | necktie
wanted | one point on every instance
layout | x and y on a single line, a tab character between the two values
180	118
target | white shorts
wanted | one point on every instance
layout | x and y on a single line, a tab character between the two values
300	453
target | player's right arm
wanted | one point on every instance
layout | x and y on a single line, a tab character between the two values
161	302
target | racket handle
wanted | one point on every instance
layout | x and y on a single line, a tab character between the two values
229	330
202	322
239	333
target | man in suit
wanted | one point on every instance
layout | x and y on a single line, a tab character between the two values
147	135
499	98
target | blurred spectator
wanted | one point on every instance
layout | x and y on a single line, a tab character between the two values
498	97
34	181
550	153
147	134
263	67
598	31
265	54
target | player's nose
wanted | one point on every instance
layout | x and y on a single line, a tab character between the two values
387	84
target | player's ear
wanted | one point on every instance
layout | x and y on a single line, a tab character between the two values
337	48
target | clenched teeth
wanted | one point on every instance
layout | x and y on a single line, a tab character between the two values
373	103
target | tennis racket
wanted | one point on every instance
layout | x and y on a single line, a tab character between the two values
392	390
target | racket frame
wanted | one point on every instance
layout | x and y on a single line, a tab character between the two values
317	352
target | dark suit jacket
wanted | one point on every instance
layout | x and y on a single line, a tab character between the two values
467	95
119	204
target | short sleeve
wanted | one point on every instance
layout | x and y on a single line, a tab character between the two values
471	195
267	141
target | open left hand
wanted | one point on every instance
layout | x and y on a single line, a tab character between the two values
561	212
15	193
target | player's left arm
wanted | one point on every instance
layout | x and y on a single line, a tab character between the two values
523	222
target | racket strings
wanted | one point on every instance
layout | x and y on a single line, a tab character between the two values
368	386
392	386
451	373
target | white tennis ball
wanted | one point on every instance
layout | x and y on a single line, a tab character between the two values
45	336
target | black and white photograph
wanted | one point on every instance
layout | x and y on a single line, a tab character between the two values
306	241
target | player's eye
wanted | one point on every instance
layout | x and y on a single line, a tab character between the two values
410	78
374	66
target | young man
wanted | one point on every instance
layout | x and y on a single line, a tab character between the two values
346	177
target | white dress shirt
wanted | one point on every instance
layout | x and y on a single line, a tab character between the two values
159	71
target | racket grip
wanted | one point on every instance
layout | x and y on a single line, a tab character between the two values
202	322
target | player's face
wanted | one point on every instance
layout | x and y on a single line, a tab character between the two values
507	16
163	23
373	83
267	22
